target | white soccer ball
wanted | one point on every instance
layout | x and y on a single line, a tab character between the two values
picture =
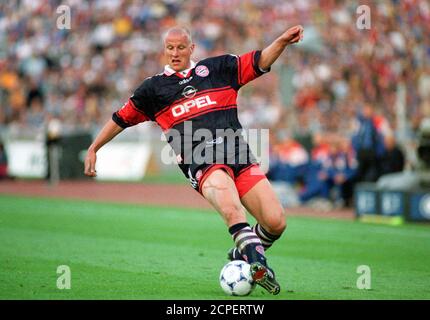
235	278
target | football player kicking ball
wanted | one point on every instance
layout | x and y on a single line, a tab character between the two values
192	95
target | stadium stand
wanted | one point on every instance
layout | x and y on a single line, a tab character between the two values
78	77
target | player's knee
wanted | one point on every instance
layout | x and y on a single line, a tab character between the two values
218	189
276	223
231	212
277	227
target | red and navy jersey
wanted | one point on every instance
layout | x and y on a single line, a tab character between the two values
206	95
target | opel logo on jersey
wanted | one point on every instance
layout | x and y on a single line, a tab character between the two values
198	103
189	92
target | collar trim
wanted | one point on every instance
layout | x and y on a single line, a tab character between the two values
168	71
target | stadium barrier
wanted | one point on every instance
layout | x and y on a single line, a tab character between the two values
376	205
63	158
26	158
127	161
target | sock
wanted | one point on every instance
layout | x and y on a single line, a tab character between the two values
267	239
248	243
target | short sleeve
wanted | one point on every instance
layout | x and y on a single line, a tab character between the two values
248	69
129	115
133	111
241	69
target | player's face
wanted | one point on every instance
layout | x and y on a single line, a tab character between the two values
178	50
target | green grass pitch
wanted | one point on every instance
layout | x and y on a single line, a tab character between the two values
122	251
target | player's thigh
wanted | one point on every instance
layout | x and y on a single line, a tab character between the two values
261	201
219	189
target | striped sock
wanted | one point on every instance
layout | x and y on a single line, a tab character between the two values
267	239
248	243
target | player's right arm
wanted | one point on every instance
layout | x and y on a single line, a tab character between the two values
109	131
129	115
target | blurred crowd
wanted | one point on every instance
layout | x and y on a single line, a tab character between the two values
324	176
320	88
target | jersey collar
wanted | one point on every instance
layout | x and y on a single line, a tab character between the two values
168	71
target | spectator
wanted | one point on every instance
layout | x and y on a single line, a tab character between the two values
316	181
368	145
343	171
288	162
331	172
393	159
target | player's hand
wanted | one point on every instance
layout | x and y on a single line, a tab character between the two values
90	163
292	35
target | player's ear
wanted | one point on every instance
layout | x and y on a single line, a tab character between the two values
192	48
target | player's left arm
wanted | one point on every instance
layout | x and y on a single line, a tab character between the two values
274	50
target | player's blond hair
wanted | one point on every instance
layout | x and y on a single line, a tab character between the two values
180	30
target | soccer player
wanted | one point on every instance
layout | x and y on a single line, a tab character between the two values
189	96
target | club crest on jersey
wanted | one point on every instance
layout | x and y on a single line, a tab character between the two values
189	92
202	71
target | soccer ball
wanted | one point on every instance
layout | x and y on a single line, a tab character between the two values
235	278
